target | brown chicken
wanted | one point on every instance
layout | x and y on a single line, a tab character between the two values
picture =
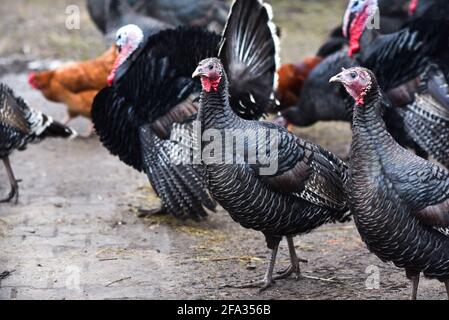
75	84
291	80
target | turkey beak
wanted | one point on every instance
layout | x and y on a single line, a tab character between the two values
198	72
336	79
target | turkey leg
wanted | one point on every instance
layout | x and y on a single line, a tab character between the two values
446	283
295	261
414	278
12	180
268	280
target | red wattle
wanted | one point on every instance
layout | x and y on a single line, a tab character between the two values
208	84
118	62
356	33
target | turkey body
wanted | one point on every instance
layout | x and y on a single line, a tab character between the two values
380	173
152	16
304	192
400	202
21	125
153	91
110	15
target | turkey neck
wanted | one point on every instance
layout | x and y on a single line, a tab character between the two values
215	111
371	140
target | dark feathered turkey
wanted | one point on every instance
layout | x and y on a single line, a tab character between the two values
110	15
410	66
155	15
317	101
302	192
412	69
400	202
21	125
154	90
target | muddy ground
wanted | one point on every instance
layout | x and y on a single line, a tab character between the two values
75	233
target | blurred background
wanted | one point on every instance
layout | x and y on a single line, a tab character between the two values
36	29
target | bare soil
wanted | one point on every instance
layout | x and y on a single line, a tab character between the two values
75	232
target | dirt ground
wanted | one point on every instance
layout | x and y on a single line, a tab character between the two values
75	233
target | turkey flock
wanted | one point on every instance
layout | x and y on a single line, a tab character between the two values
181	77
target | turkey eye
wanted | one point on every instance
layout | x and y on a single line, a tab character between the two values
353	75
211	67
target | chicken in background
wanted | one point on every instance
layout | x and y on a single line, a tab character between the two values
291	79
76	84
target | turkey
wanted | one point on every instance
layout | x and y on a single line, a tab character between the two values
110	15
407	64
298	186
210	14
152	90
400	202
317	101
411	67
19	126
316	105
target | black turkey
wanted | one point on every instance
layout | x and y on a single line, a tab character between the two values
19	126
152	90
411	67
317	101
299	187
320	103
400	202
110	15
409	64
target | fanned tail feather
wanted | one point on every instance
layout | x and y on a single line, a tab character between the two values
250	55
34	123
54	129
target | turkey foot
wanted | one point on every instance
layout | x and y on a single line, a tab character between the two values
294	263
268	280
144	213
14	193
261	285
